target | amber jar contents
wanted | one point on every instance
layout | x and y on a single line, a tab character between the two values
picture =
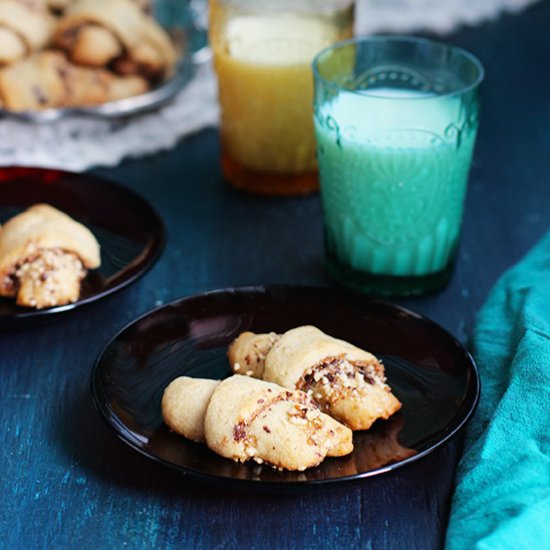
262	56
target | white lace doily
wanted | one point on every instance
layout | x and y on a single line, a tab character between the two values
440	16
79	143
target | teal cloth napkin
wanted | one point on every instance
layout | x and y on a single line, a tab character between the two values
502	497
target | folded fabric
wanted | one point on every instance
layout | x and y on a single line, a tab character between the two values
502	497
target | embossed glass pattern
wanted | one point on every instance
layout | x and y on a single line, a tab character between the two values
396	120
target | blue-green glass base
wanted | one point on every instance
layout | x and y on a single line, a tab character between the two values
387	285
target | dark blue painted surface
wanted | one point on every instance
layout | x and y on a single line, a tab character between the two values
66	481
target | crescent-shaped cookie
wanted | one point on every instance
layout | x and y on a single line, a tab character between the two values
24	28
345	381
242	418
44	255
116	32
47	80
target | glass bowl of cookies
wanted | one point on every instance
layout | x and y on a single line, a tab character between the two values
98	57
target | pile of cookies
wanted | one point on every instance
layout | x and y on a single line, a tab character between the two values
295	399
74	53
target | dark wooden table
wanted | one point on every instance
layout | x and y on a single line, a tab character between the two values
66	481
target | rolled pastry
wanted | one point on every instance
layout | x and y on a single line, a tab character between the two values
47	80
184	404
247	353
115	32
44	255
24	28
348	383
247	419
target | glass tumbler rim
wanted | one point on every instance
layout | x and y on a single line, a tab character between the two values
394	38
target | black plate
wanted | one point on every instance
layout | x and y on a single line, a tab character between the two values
429	371
130	232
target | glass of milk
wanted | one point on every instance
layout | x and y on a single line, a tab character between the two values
395	120
263	51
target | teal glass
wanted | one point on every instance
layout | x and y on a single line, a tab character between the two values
395	121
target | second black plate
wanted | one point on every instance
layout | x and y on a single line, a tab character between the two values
130	233
429	371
